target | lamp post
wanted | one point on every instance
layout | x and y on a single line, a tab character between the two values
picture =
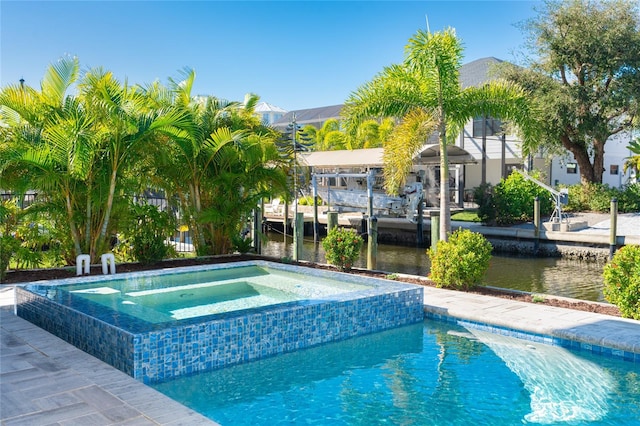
297	241
298	219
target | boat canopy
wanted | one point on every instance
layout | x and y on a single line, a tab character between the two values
373	157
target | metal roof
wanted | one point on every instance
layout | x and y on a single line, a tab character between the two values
372	157
266	107
314	116
478	72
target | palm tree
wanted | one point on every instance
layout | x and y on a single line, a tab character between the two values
632	162
49	142
371	134
329	136
424	92
75	150
127	126
220	168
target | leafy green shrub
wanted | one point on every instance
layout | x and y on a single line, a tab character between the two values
622	281
146	238
600	198
483	196
629	199
514	199
241	244
461	262
9	244
597	198
307	200
342	247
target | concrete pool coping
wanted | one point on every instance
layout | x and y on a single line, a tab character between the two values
44	380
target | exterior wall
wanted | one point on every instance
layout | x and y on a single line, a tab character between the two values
615	153
473	145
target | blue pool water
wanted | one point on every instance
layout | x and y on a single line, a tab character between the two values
430	373
162	298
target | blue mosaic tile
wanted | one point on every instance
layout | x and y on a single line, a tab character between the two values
155	352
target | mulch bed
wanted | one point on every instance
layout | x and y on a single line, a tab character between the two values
22	276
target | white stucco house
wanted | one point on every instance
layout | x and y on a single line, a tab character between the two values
494	154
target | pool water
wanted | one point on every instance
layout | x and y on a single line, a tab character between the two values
431	373
167	297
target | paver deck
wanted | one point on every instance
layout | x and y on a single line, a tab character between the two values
46	381
580	326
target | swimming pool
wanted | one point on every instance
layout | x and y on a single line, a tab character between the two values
430	373
161	324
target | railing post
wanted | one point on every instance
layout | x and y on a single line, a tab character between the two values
435	229
108	263
536	224
298	236
420	224
613	237
372	244
257	228
332	220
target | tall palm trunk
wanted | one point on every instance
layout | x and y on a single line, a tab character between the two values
72	224
99	242
87	237
445	210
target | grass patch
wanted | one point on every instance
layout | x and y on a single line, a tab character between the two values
466	216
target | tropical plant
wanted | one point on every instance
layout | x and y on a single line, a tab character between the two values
148	232
632	162
75	150
425	93
50	142
342	247
460	262
128	126
330	137
9	243
584	79
597	197
513	199
221	167
622	281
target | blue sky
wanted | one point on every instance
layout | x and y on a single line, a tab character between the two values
293	54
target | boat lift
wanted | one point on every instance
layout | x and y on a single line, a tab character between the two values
369	201
560	198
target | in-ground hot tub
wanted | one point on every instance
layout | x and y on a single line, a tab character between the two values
161	324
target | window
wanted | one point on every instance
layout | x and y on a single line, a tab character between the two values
572	168
613	169
494	126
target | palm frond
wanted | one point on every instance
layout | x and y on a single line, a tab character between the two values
403	145
58	78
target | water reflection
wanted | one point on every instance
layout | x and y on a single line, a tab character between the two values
555	276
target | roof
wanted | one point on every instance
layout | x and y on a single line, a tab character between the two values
430	154
313	116
265	107
478	72
474	73
372	157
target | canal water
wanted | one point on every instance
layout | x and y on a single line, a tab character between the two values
554	276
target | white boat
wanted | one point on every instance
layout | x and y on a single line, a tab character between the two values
356	199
